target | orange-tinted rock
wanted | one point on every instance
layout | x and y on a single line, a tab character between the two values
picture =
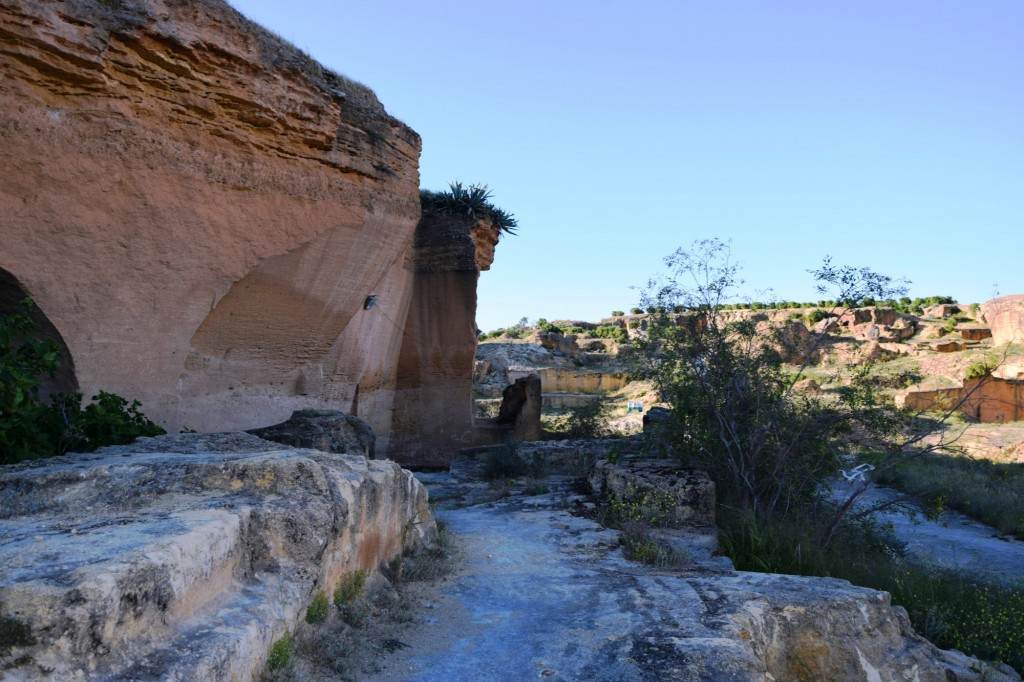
987	400
201	210
433	409
950	347
974	332
1005	317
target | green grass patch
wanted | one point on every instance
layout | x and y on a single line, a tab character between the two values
952	609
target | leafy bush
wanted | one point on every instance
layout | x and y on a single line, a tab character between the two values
816	316
29	428
978	370
636	311
349	587
316	612
546	326
733	410
280	653
610	331
617	313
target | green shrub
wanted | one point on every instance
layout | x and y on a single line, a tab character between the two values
816	316
617	313
280	653
636	311
610	331
349	587
978	370
546	326
316	612
29	428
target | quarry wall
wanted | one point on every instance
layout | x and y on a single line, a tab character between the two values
201	211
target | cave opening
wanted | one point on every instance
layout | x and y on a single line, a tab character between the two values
64	379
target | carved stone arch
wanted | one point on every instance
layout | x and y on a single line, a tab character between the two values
64	380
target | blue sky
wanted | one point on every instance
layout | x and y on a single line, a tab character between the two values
887	134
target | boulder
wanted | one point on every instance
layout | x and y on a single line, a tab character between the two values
1005	317
950	347
974	332
520	408
942	311
673	495
322	430
185	557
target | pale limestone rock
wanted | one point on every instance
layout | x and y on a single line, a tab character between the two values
184	557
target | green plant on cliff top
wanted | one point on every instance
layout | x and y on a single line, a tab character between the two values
473	202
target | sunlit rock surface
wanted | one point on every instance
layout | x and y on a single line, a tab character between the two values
184	557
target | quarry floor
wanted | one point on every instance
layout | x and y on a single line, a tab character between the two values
541	593
952	540
536	597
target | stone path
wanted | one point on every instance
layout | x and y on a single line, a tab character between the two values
544	594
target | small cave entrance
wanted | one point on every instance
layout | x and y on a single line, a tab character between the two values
64	380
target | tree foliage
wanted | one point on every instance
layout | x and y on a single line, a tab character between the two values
31	428
734	410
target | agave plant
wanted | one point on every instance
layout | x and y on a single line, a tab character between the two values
473	201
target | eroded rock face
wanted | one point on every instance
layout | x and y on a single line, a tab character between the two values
433	415
1005	317
661	489
201	210
184	557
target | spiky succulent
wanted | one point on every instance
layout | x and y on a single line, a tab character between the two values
473	201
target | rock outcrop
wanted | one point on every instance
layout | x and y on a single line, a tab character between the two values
322	430
989	400
433	409
1005	317
200	212
778	627
185	557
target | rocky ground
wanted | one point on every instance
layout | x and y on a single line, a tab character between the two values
543	592
903	353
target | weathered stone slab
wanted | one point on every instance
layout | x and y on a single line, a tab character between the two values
184	557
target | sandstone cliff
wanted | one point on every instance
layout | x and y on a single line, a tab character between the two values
200	211
434	401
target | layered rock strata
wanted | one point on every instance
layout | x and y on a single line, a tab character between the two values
433	415
201	211
185	557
